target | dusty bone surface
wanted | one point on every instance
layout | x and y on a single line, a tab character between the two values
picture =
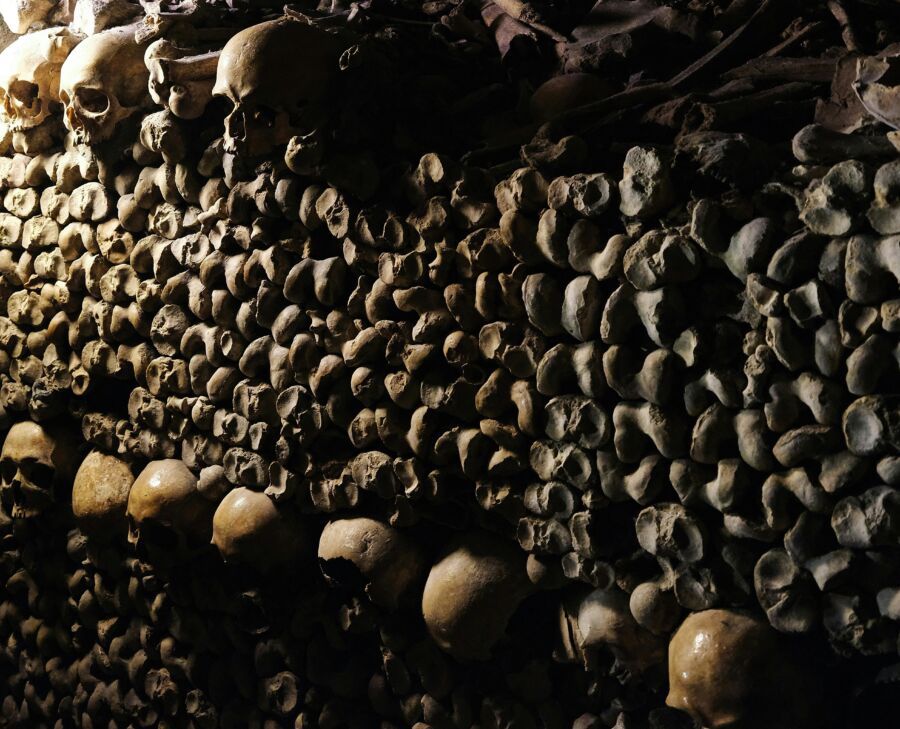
437	367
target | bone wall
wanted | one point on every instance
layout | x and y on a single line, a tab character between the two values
312	421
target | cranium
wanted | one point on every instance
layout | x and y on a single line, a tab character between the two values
601	619
731	670
103	82
23	15
275	74
34	466
166	510
388	562
100	494
29	76
471	593
250	529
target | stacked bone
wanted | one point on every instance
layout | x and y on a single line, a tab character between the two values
671	402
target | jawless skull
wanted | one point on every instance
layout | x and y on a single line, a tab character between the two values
35	467
21	16
167	514
102	83
277	75
29	80
732	670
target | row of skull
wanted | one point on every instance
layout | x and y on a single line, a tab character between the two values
101	80
469	593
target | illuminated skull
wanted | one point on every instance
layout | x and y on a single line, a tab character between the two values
275	74
100	495
103	82
166	513
35	467
249	528
29	76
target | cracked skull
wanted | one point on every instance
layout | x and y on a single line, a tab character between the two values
103	82
166	512
29	76
275	74
34	467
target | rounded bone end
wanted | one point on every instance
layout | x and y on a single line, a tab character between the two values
471	593
390	564
248	528
731	669
100	495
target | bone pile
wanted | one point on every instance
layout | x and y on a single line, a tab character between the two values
296	436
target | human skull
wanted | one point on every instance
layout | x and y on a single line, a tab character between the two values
21	16
731	670
602	619
29	76
102	83
275	74
166	510
471	593
248	528
100	495
34	467
389	562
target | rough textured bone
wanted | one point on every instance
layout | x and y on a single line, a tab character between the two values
100	495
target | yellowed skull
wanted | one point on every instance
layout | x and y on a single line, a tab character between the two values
29	76
100	495
275	74
166	512
35	466
102	83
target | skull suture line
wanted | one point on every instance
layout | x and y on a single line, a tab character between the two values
34	465
276	74
29	76
103	82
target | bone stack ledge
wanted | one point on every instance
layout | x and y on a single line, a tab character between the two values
464	364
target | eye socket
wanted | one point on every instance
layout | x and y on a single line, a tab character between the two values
39	474
93	101
24	92
8	470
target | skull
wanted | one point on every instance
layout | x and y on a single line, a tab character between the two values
275	74
34	467
29	76
167	514
250	529
602	619
731	670
22	15
100	495
103	82
472	592
389	563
